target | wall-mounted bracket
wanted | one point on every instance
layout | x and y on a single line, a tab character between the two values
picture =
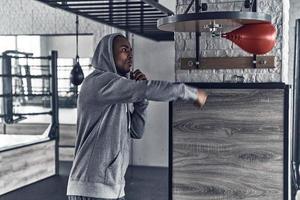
228	63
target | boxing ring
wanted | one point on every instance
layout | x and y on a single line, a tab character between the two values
25	159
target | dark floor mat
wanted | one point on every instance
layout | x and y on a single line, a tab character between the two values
142	183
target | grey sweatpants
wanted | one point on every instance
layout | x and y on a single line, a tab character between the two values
90	198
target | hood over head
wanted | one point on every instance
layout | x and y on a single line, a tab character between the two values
103	58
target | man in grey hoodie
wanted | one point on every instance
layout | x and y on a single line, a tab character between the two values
105	126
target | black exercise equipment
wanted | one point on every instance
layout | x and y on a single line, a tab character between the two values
8	94
77	75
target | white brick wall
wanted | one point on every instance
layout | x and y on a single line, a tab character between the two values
18	17
216	47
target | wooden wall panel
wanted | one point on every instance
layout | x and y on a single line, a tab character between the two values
66	153
26	165
67	131
67	135
232	148
67	142
25	128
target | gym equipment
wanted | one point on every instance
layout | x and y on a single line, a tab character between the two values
138	16
77	75
254	38
212	21
247	3
8	114
37	154
236	26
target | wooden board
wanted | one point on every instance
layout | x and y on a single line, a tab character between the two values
25	165
66	153
67	135
26	128
228	62
67	131
231	149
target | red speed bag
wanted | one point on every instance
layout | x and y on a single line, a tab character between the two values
254	38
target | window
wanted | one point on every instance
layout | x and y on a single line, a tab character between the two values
7	43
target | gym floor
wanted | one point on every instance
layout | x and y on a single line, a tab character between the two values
147	183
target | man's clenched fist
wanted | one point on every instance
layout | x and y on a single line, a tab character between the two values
202	96
137	75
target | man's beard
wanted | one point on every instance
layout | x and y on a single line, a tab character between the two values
122	72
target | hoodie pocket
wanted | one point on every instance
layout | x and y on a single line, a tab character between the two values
113	173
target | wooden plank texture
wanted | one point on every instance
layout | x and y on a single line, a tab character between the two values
26	165
67	131
228	62
67	136
26	128
66	153
232	149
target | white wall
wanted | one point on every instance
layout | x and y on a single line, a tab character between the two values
66	45
156	60
170	4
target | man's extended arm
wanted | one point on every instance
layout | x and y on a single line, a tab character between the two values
118	89
121	90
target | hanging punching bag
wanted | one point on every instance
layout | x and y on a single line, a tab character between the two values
76	75
254	38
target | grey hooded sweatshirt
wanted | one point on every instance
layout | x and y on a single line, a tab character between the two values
105	126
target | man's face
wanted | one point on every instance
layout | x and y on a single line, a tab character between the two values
122	55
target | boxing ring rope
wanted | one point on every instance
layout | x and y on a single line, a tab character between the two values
8	115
